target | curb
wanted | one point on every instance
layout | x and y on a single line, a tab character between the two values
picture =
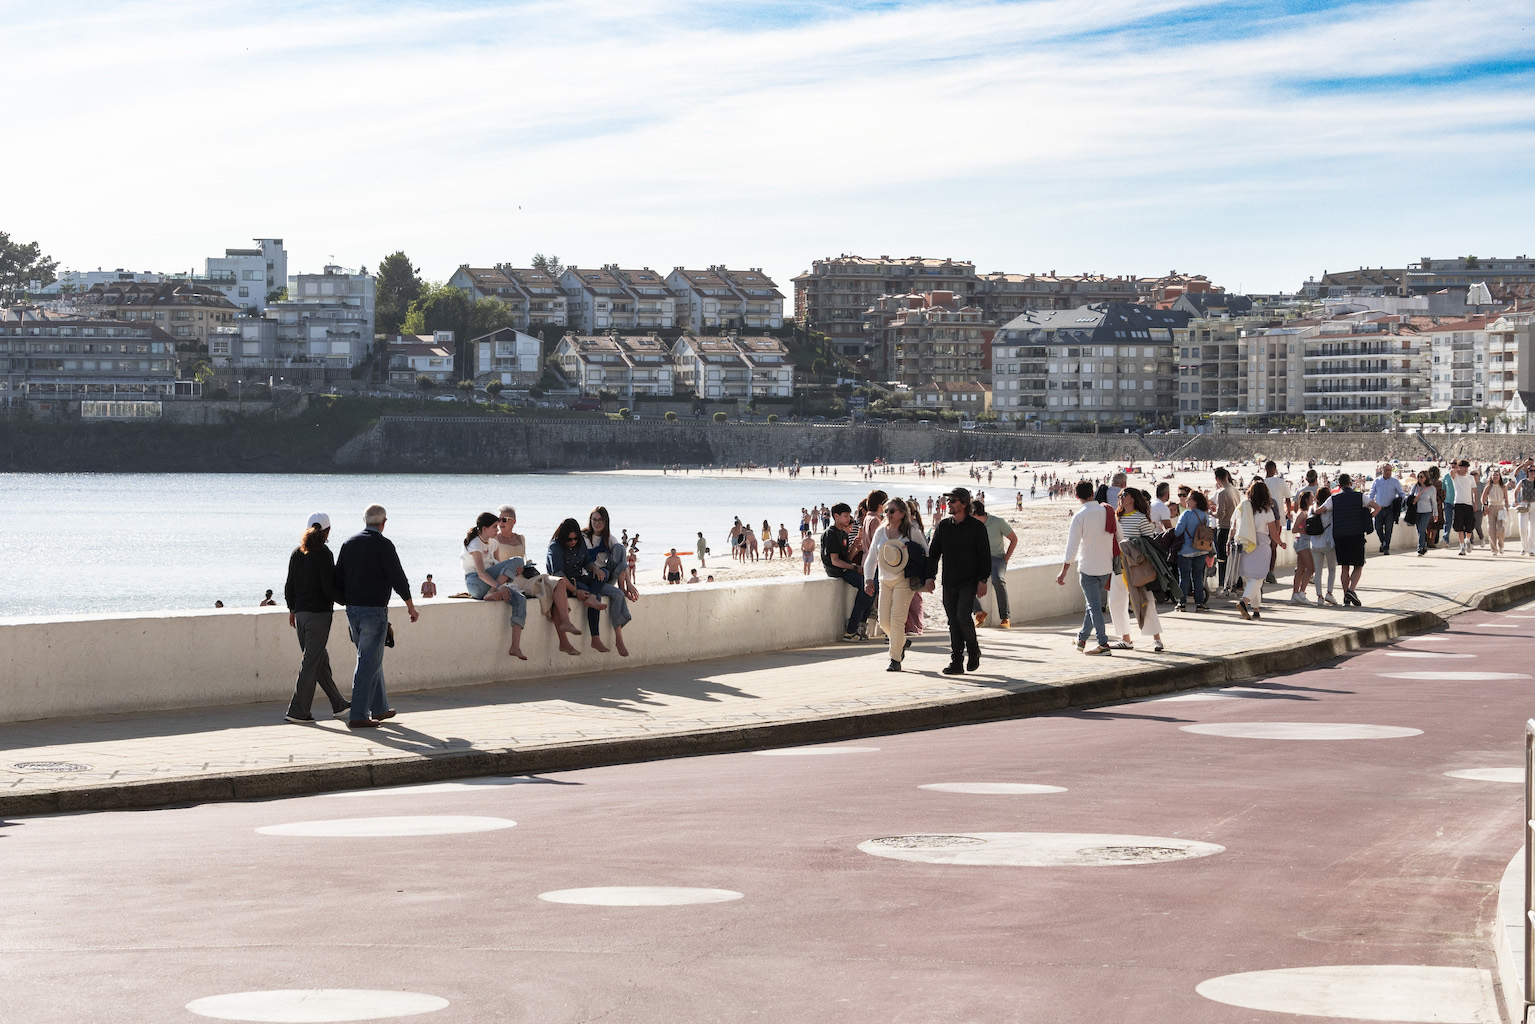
1110	688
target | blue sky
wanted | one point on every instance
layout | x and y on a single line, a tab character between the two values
1257	142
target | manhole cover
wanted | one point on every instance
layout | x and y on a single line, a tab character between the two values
926	842
1134	853
50	766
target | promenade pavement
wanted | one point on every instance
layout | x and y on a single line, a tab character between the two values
776	699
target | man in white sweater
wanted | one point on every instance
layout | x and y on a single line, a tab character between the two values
1091	546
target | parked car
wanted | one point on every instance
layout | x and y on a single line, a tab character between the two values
587	403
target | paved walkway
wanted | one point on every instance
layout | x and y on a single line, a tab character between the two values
246	752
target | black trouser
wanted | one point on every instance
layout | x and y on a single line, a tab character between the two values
313	630
1222	540
957	602
1385	522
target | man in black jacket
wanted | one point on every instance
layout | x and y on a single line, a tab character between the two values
368	569
964	547
311	596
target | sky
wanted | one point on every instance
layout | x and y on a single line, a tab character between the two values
1259	143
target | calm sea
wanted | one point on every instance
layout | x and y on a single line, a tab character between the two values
89	542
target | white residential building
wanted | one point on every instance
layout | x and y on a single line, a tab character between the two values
509	356
248	276
535	299
417	355
627	365
734	367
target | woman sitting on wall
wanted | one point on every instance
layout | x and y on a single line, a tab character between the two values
487	581
552	592
610	566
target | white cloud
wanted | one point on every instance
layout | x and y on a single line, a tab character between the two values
1023	135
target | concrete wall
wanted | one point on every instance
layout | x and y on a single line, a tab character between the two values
81	665
502	445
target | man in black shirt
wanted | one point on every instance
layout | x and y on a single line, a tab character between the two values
366	571
963	545
838	560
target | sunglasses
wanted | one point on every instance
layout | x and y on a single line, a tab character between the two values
506	519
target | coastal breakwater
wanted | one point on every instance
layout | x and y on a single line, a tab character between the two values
430	444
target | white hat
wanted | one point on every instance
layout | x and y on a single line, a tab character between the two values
321	520
893	555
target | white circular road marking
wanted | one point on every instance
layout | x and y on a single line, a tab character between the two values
1512	773
1037	849
992	788
316	1005
809	751
1454	676
640	896
1391	992
1426	654
1498	625
403	825
459	786
1301	731
1226	693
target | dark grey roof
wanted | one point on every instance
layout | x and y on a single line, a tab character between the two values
1201	303
1098	324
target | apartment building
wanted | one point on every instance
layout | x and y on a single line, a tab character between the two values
833	295
248	276
71	283
508	356
1005	296
733	366
1366	281
611	298
1214	368
535	299
928	338
187	311
1474	363
1112	363
1162	292
628	365
337	293
73	352
1429	275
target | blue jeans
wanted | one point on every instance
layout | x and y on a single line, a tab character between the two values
368	626
1422	524
515	599
1092	618
1191	576
862	601
998	585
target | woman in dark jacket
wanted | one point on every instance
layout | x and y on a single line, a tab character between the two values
311	596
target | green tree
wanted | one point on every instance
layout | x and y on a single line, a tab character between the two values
21	264
549	264
467	387
493	388
398	285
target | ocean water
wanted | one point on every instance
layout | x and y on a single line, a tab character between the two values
108	543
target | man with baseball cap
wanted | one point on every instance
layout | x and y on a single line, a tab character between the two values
963	546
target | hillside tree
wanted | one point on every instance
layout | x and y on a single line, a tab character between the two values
21	263
398	285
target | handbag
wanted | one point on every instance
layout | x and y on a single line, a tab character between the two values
1139	569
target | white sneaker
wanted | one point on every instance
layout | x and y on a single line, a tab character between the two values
1331	600
1299	598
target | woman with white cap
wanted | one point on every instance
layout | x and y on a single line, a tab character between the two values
311	596
895	544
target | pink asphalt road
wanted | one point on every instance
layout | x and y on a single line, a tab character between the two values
1337	852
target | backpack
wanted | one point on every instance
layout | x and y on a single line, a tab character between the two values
1314	525
1204	536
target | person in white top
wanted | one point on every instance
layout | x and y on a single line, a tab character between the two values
895	587
1091	546
1161	515
1133	522
478	562
1284	507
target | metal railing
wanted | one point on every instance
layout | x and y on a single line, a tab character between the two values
1529	859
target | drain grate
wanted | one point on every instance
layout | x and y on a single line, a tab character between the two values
1132	854
927	842
50	766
